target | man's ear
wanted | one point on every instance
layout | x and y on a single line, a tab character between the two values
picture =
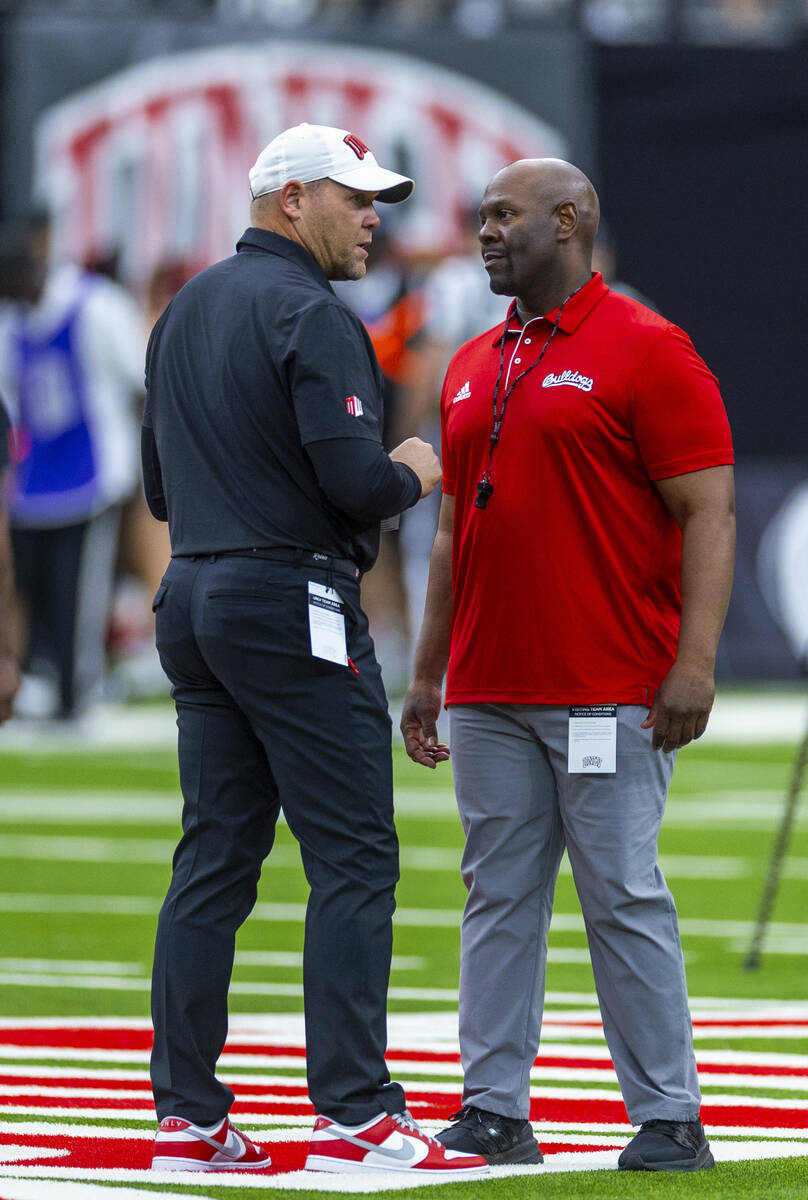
289	199
566	219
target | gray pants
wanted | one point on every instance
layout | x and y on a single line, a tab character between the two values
520	808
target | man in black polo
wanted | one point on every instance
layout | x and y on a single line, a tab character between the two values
262	449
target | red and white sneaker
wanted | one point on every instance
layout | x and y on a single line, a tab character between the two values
388	1143
181	1146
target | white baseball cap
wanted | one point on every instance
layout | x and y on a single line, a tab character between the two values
308	152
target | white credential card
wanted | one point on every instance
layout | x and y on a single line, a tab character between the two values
327	624
592	748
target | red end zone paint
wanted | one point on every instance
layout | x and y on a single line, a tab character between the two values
78	1038
134	1154
131	1150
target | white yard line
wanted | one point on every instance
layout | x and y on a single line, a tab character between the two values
360	1183
430	1086
40	1189
58	848
747	807
286	1129
104	904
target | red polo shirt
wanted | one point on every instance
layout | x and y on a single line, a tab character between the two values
566	586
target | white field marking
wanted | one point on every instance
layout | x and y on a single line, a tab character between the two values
296	1129
70	966
376	1182
772	945
420	1072
430	1086
784	1032
283	958
34	979
125	906
413	858
9	1153
716	929
746	809
428	1031
81	849
100	1114
67	1054
95	1073
435	1031
433	1086
38	1189
742	810
246	958
291	1131
111	807
421	1076
743	807
63	1093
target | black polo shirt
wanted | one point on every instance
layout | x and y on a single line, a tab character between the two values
263	413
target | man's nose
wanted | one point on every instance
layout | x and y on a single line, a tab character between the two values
372	219
487	233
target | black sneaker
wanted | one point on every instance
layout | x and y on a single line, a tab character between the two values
498	1139
667	1146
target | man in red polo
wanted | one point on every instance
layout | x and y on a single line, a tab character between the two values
578	585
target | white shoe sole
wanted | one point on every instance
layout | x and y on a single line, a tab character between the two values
184	1164
322	1162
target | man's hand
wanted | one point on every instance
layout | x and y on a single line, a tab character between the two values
422	459
419	718
681	707
9	685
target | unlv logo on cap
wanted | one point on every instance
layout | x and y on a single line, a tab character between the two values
359	148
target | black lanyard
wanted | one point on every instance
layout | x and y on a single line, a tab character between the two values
485	488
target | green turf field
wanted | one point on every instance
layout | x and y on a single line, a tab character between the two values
85	848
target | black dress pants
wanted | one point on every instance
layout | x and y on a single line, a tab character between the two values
264	724
47	564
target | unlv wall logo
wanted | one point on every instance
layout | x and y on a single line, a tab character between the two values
359	148
153	161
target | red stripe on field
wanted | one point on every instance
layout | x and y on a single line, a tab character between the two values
133	1153
79	1039
438	1106
570	1148
77	1082
257	1088
141	1039
749	1023
293	1107
765	1118
744	1069
82	1082
543	1108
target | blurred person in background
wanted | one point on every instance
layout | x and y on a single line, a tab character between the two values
578	585
458	304
145	547
9	668
389	302
71	368
605	260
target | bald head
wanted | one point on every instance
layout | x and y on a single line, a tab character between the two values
555	183
539	218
